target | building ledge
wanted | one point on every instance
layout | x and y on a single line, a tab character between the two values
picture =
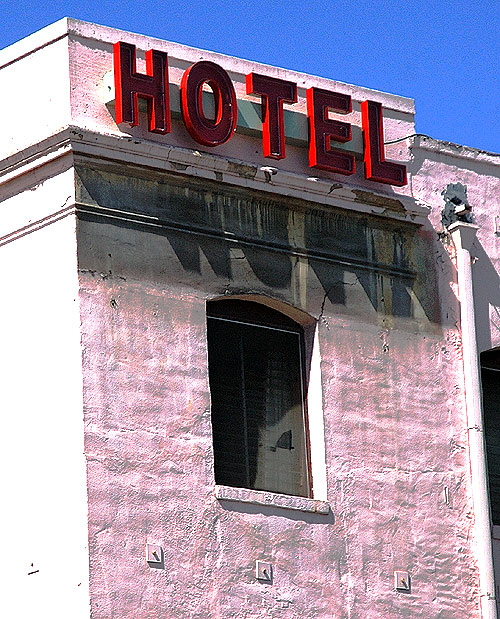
450	149
272	499
192	163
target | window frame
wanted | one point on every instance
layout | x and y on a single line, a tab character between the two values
490	364
245	312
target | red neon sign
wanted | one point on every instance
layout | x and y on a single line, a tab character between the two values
274	92
376	167
323	129
202	129
129	85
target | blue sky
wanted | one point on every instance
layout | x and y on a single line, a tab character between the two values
444	54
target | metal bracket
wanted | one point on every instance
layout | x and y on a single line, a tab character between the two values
264	571
154	555
402	581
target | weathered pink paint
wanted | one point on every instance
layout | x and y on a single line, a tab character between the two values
395	433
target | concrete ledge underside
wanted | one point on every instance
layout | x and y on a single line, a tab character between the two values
260	497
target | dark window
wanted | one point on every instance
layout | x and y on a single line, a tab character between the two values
255	361
490	379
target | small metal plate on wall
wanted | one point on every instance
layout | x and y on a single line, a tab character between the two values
154	554
402	581
264	571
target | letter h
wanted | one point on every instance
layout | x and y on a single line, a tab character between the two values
130	85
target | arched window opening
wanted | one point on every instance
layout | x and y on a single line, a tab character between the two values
490	381
257	387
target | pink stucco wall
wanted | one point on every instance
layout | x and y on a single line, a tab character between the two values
434	166
395	438
150	476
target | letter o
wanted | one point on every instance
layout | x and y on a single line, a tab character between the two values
202	129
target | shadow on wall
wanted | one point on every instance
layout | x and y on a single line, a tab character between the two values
270	510
249	237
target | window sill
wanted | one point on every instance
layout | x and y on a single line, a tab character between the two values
272	499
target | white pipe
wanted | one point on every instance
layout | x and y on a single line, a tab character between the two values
463	235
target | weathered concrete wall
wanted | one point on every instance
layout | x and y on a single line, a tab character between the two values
394	432
435	166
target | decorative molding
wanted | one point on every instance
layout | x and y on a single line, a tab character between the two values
193	163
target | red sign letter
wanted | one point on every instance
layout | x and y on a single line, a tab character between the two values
202	129
323	129
273	92
130	85
376	167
